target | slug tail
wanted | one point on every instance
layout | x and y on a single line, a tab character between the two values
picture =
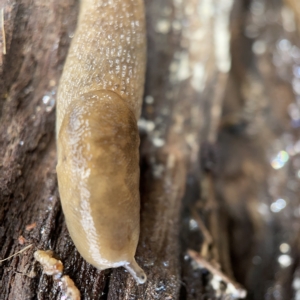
136	271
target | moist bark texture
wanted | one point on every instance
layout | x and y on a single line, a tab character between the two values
219	133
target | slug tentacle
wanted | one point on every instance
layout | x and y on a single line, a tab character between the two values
98	104
136	271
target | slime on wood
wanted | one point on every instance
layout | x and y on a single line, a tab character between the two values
98	105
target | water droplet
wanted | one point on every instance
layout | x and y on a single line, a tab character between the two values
149	99
295	53
49	100
259	47
160	288
284	248
284	45
145	125
193	224
150	126
296	85
284	260
158	170
294	111
149	263
163	26
278	205
296	283
158	142
166	263
280	160
296	71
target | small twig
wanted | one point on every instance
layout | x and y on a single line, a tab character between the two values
24	249
203	263
211	208
206	234
3	31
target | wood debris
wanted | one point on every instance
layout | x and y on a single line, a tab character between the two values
21	240
31	226
69	289
234	289
51	266
24	249
54	267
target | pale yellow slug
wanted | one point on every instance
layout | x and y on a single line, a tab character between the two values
98	105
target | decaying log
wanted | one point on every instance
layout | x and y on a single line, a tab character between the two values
181	79
209	136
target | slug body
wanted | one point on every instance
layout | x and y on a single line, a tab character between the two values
98	105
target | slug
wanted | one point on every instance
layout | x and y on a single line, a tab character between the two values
98	105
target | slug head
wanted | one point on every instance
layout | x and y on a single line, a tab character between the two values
98	176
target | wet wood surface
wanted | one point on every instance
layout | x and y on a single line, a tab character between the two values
214	121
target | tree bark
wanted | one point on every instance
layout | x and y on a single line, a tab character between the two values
208	134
